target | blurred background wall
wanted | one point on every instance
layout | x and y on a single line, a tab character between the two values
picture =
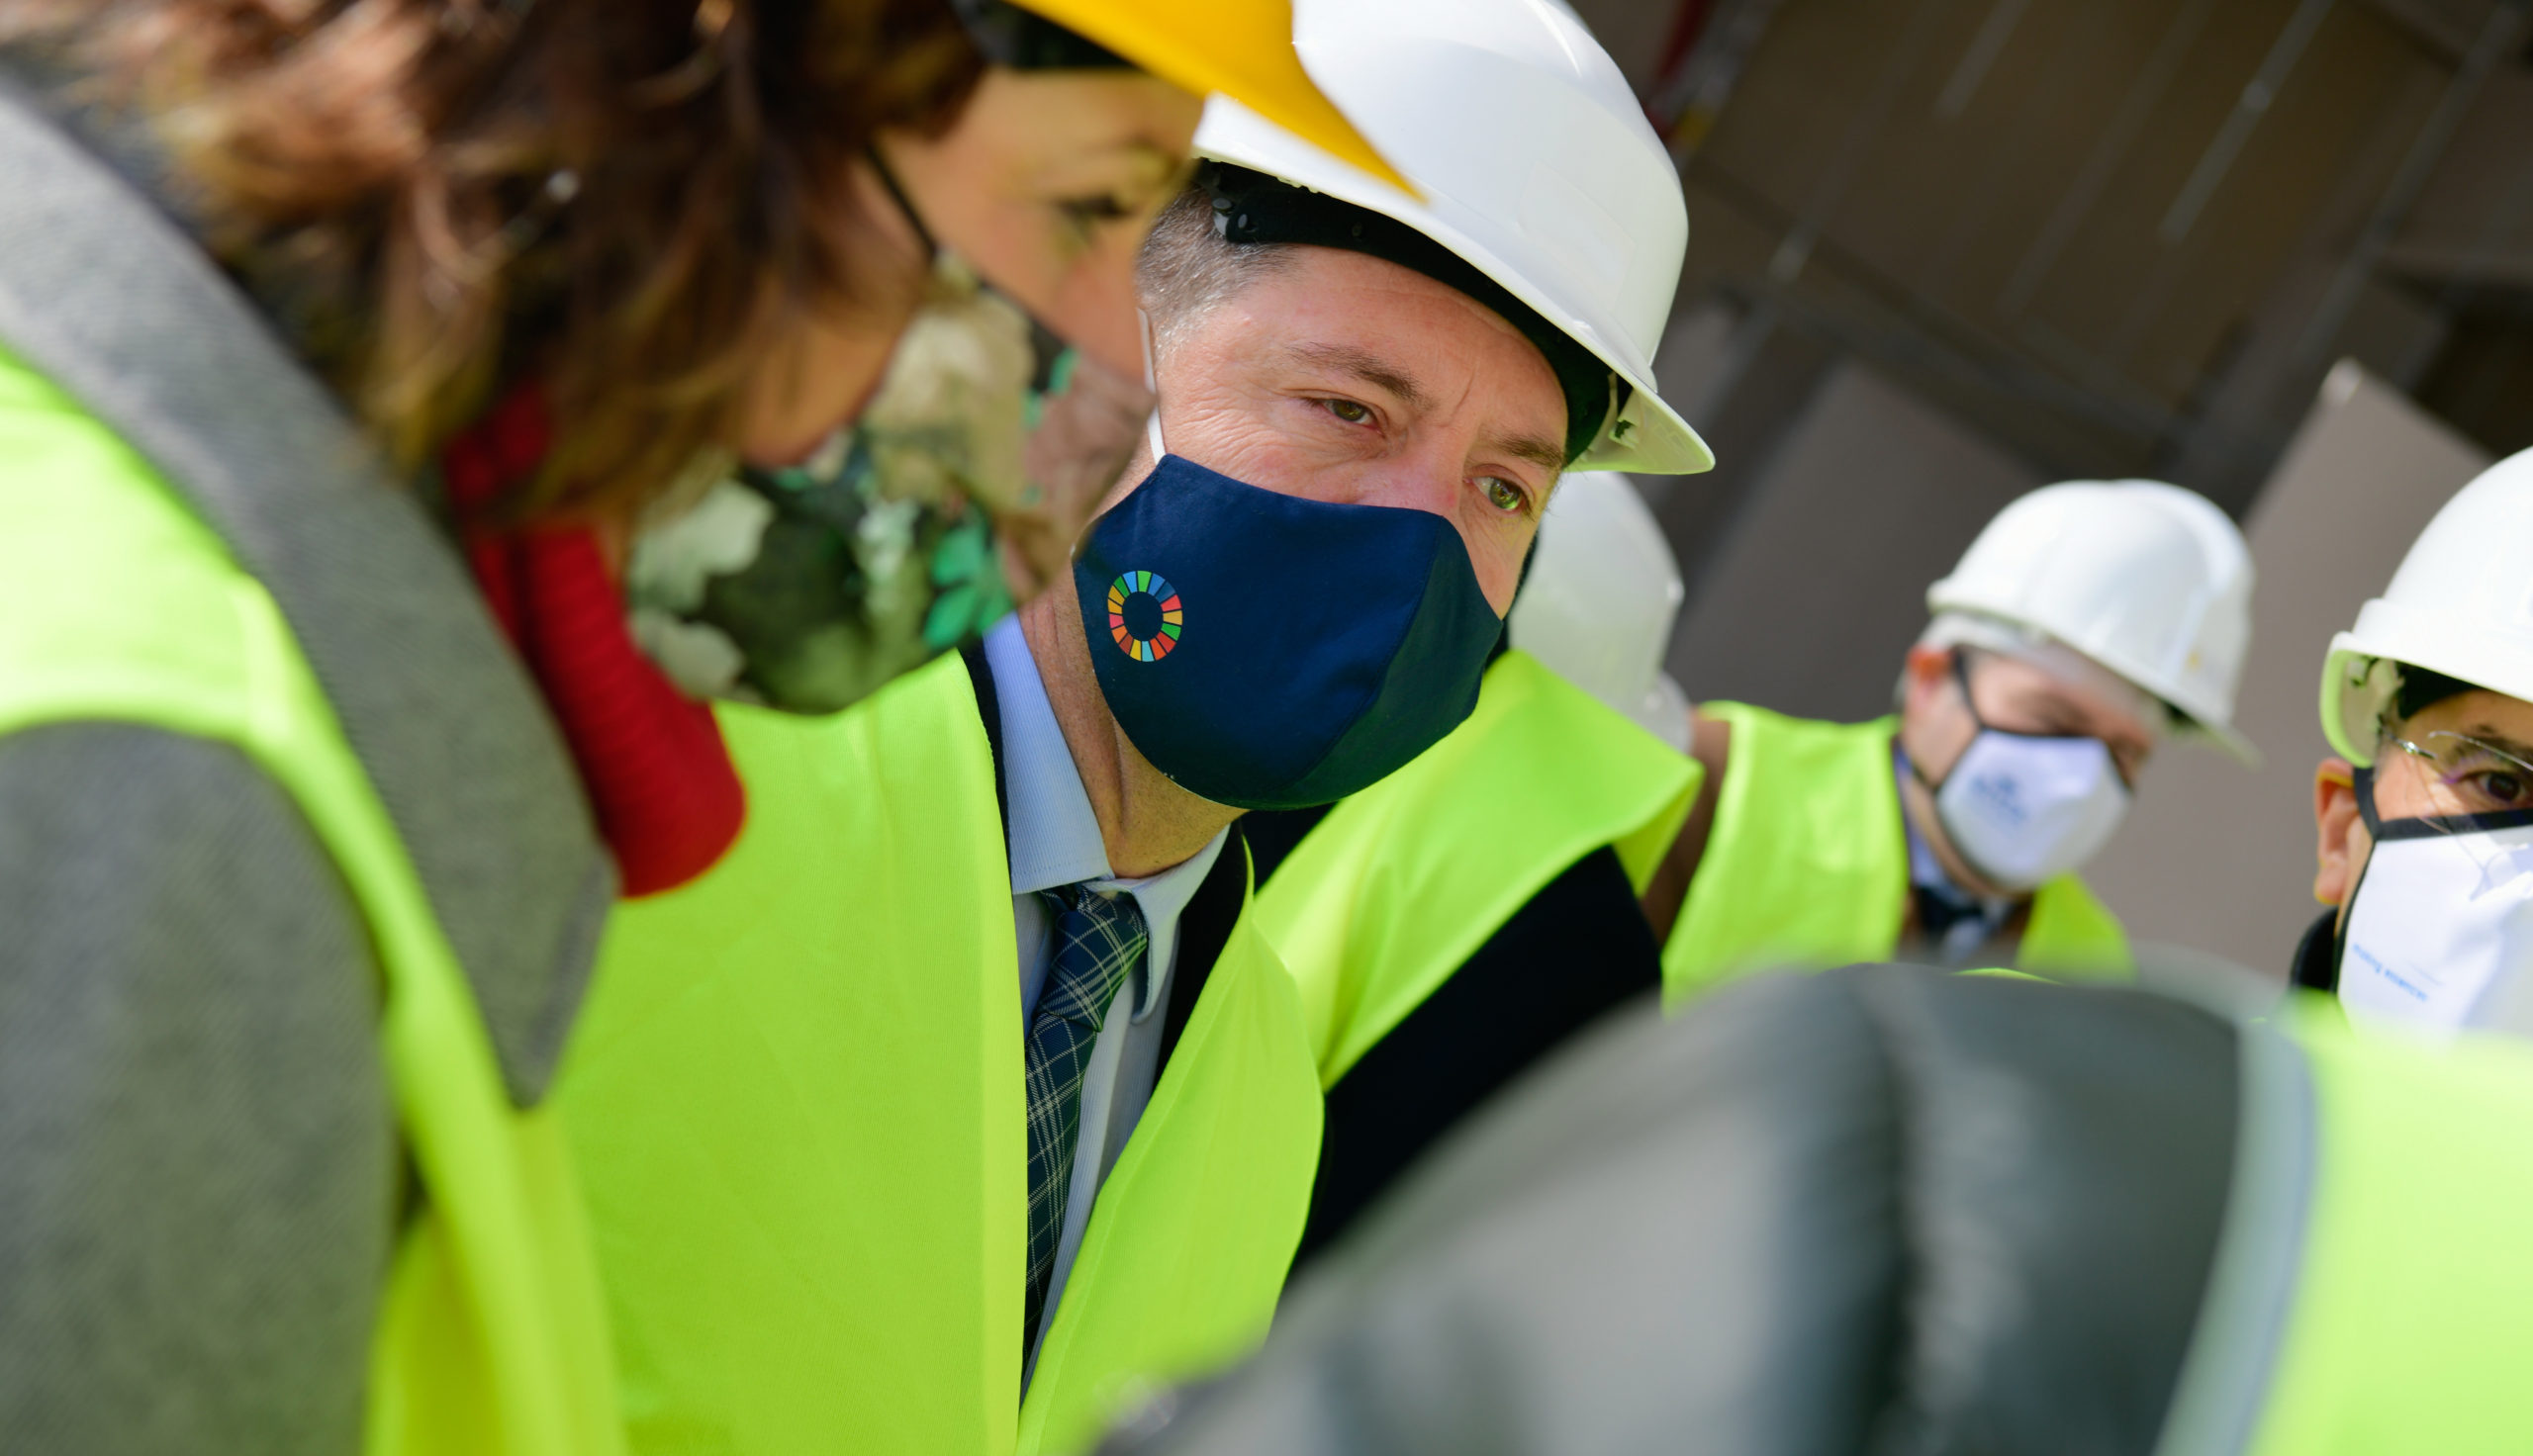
1945	250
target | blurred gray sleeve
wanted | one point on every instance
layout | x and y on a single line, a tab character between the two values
198	1154
1883	1210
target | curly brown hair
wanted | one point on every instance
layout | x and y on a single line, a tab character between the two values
617	200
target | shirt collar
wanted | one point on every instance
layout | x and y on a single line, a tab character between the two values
1163	898
1054	835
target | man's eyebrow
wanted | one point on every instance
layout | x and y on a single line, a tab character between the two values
2056	705
1365	366
1546	454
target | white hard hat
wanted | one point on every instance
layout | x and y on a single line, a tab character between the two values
1600	600
2149	579
2461	605
1536	168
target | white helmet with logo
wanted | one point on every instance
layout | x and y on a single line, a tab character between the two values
2461	605
1535	164
1600	600
2149	579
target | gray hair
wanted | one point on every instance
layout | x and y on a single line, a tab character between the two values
1189	268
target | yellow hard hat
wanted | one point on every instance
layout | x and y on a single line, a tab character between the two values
1242	49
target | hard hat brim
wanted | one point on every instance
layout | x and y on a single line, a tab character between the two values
1649	437
2350	700
2225	736
1240	48
2354	689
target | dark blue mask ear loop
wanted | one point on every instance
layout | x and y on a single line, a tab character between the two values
1961	675
2362	782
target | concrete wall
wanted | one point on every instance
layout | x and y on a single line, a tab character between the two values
2222	858
1818	583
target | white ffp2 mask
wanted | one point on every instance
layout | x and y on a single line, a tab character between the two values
2440	929
2025	809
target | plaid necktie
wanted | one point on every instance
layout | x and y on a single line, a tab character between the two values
1098	941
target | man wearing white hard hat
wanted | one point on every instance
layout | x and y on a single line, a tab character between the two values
2086	623
1455	923
967	1095
1504	840
2425	812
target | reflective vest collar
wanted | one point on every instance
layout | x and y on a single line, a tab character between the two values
1384	898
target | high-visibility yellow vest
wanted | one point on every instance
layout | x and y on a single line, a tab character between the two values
2373	1292
491	1336
1808	865
1401	883
796	1099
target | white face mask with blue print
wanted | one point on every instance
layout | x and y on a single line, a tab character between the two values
2440	929
2025	808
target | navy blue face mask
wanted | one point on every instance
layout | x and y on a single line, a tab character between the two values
1269	651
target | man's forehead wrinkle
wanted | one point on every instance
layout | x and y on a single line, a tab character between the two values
1365	366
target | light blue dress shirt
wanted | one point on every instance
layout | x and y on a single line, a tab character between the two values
1054	840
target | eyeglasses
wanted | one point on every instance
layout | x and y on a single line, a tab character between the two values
2127	754
2463	774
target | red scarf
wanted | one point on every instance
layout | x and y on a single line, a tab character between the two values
668	799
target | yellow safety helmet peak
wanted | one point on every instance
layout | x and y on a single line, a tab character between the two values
1240	48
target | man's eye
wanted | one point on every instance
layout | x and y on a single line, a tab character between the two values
2501	786
1349	410
1505	495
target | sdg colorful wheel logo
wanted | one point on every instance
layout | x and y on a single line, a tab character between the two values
1144	615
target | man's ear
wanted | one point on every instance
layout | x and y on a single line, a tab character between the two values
1927	670
2341	842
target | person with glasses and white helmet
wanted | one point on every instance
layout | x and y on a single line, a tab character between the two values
966	1094
2086	623
2426	811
